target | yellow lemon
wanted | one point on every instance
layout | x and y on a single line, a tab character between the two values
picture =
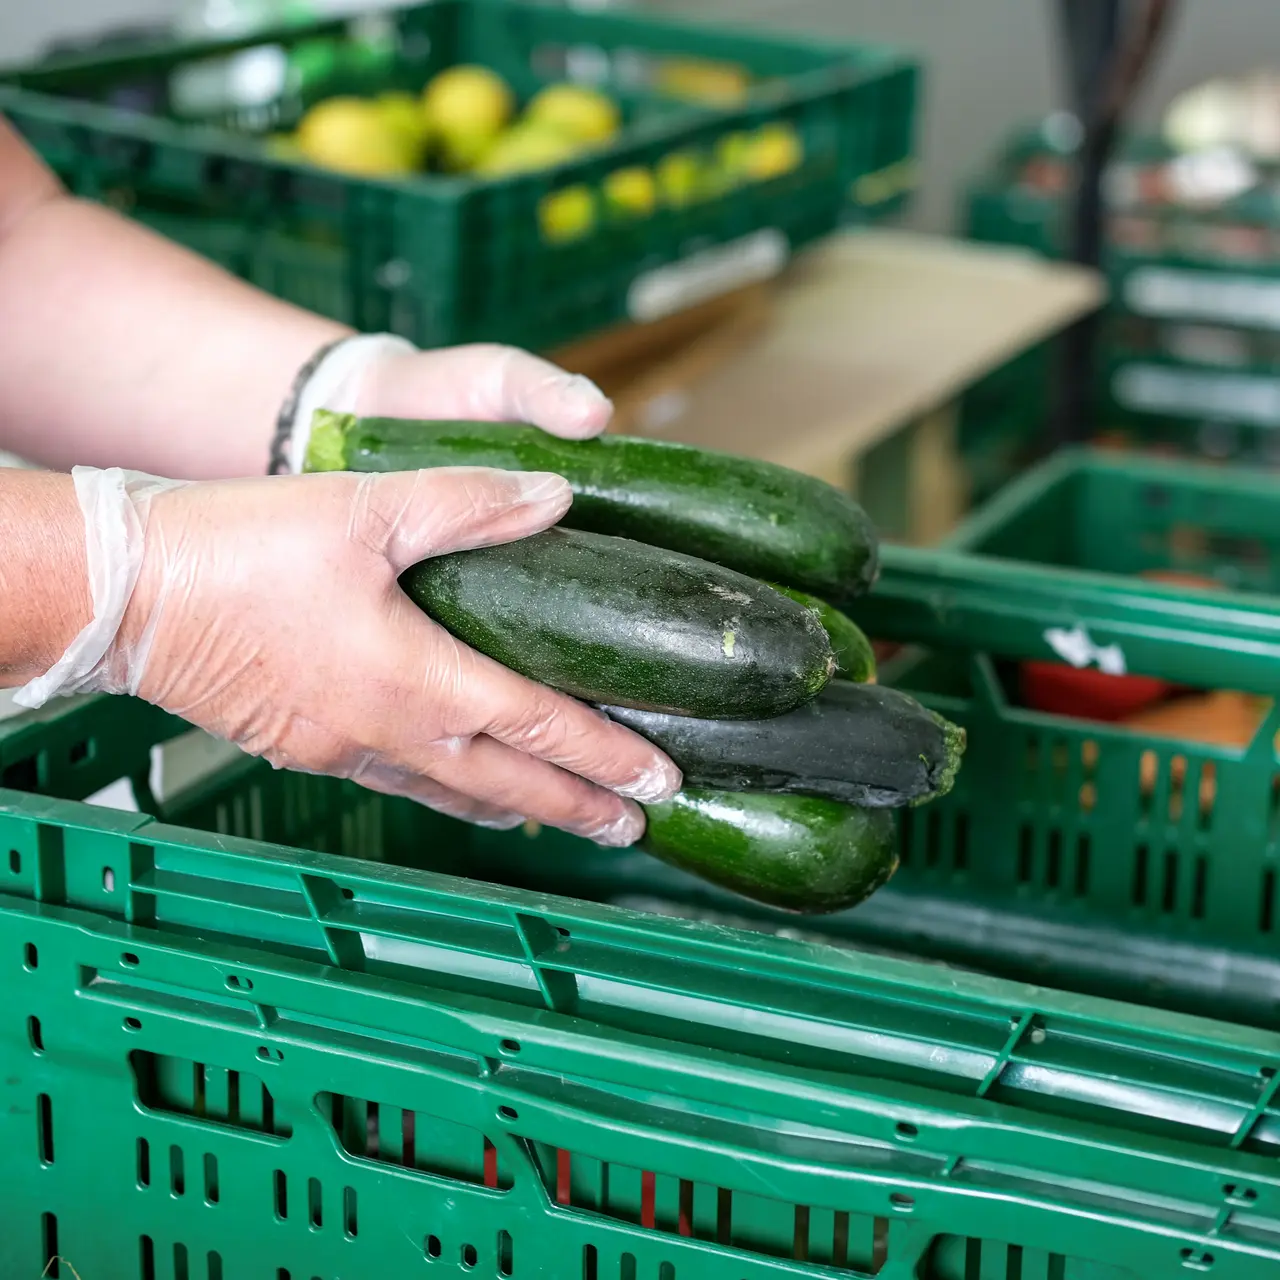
468	99
525	148
680	178
583	113
567	214
466	108
631	192
720	84
352	136
773	150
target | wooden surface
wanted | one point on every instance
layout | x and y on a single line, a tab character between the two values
869	332
648	370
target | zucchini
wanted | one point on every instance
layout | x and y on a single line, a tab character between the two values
856	743
610	620
761	519
855	658
795	852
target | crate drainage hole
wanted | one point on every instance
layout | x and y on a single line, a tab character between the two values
907	1132
469	1256
132	1024
268	1054
108	880
902	1202
30	956
237	983
508	1113
1197	1259
510	1046
128	958
15	862
431	1247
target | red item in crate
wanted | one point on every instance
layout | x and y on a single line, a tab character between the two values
1087	694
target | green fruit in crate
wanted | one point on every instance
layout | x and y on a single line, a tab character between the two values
351	135
794	852
567	214
403	115
630	192
681	177
576	110
855	743
773	150
616	621
756	517
282	146
731	154
855	658
525	149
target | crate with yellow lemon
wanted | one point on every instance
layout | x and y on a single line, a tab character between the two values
485	169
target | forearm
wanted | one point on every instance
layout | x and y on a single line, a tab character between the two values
44	595
122	349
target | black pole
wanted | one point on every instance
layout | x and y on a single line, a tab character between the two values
1091	31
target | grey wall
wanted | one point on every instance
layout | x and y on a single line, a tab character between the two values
25	25
990	63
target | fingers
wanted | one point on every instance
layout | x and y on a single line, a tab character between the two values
489	383
509	780
407	516
435	795
540	722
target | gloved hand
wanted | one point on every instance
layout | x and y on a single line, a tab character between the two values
379	375
267	611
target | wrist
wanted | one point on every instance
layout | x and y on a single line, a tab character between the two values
114	506
43	580
331	379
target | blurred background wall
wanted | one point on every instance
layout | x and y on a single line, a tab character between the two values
991	63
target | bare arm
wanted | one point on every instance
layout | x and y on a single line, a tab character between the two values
44	596
121	349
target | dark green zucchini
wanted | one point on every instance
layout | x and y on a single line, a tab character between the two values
795	852
855	658
611	620
761	519
856	743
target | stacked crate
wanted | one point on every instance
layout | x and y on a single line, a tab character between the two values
1190	346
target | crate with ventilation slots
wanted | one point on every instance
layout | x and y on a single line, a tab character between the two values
276	1027
454	257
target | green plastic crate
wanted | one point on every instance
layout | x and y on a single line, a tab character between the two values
1189	353
452	259
228	1057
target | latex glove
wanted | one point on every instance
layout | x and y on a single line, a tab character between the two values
379	375
268	612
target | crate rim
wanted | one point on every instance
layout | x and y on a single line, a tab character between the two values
784	958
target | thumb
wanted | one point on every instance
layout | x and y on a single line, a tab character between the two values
408	516
487	383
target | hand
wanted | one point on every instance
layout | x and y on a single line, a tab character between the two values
268	612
